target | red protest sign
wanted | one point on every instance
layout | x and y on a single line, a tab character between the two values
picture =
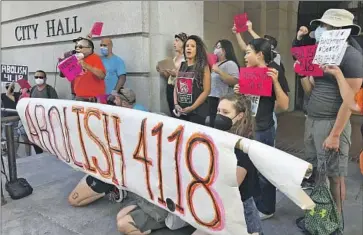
255	81
212	59
305	56
241	22
23	84
97	28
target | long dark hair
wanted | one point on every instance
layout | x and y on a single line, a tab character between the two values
201	59
228	48
264	46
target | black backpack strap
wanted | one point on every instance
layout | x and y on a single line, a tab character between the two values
48	90
223	62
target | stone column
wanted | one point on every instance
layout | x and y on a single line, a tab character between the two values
164	20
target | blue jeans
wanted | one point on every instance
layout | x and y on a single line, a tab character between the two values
252	217
266	201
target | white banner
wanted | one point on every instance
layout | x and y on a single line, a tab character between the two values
185	168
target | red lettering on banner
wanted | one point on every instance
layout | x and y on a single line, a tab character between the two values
255	81
43	128
142	147
116	150
177	136
80	110
34	136
54	115
70	146
158	132
96	113
205	182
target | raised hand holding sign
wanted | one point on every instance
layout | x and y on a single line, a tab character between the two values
240	22
97	28
305	56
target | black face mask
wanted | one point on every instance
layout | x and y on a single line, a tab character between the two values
223	123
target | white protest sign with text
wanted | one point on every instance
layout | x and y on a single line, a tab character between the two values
164	160
332	46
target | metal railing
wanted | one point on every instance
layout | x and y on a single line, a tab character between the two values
10	144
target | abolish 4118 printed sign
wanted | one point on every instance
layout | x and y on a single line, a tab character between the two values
13	73
332	47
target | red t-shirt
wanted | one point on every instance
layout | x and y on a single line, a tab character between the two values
359	99
87	84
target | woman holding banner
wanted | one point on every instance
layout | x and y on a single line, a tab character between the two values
193	83
259	55
141	217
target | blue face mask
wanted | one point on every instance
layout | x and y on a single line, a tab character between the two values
104	51
319	32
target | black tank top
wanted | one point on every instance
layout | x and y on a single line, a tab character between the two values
188	89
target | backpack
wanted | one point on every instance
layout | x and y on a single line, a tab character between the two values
324	219
46	87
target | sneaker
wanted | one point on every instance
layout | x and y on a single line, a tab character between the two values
264	216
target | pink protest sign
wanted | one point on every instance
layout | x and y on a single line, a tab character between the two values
241	22
305	56
255	81
70	68
24	84
97	28
212	59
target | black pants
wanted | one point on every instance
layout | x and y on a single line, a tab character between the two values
266	200
170	98
213	106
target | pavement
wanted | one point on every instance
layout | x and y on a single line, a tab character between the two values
47	211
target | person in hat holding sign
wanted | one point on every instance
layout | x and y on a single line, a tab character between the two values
327	128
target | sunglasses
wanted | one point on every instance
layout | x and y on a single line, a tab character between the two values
80	47
38	77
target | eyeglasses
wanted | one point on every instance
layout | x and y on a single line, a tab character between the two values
80	47
38	77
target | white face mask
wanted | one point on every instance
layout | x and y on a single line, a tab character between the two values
218	51
319	32
39	81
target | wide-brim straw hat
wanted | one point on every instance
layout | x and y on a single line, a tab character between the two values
339	18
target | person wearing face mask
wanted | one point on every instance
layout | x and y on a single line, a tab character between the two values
234	116
90	84
225	74
115	67
327	127
41	88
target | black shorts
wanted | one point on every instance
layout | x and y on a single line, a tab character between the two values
99	186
